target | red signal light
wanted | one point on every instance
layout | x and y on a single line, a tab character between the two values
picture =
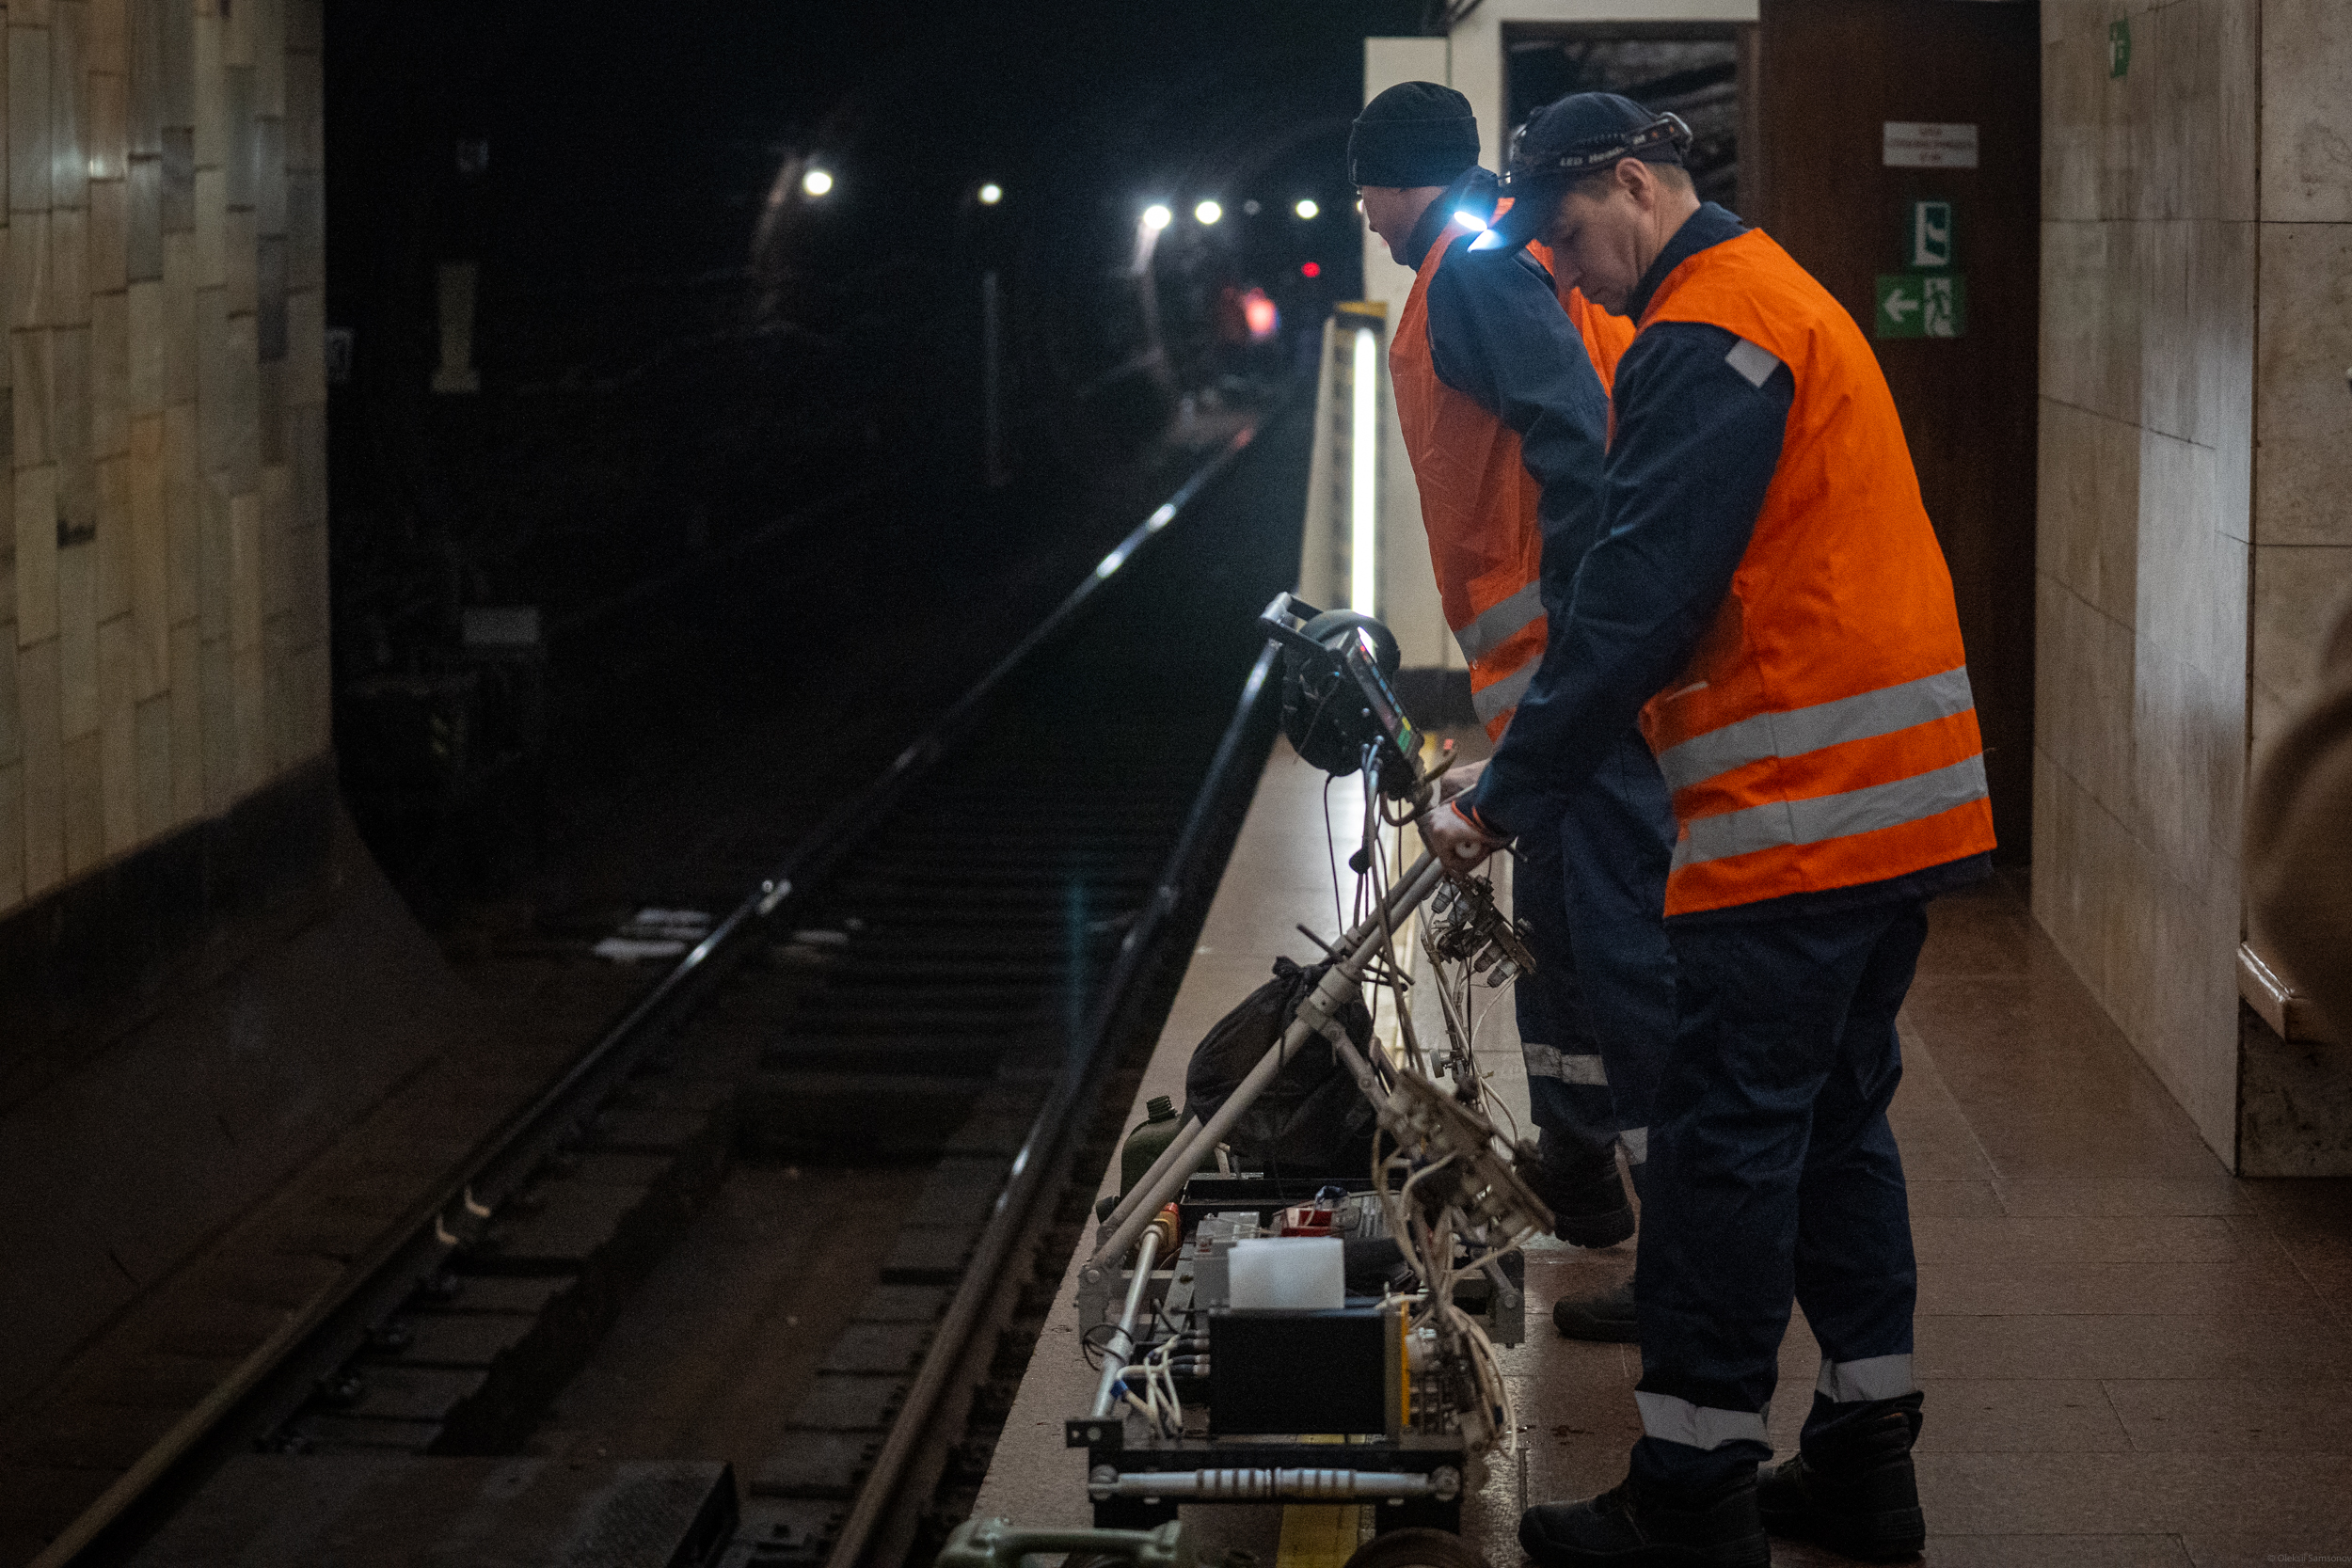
1311	269
1259	311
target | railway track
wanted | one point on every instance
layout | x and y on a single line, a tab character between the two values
946	983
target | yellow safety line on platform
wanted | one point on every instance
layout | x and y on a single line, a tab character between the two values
1319	1535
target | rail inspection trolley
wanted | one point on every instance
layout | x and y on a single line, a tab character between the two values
1390	1394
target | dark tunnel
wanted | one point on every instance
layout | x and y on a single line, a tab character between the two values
685	367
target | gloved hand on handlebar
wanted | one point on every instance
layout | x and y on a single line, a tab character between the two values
1460	777
1458	842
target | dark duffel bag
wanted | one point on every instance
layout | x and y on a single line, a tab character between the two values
1313	1118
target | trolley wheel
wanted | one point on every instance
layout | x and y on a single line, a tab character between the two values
1416	1548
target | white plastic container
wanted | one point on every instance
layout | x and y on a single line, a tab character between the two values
1300	1272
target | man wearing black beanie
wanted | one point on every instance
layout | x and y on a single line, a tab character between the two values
1416	134
1505	421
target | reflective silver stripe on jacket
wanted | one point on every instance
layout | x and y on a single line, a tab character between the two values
1548	1061
1492	701
1494	623
1810	729
1755	362
1778	823
1695	1426
1876	1377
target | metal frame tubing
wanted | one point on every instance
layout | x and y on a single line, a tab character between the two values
1345	981
1115	1354
1265	1486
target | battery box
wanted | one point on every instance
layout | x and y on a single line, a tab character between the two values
1290	1371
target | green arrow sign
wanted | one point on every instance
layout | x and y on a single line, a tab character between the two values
1921	307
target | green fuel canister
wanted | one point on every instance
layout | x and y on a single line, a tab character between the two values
1146	1143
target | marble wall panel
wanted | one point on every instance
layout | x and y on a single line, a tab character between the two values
2100	886
2090	317
2193	1033
2128	110
2306	131
2168	368
2083	695
2188	764
2196	321
2303	419
2060	19
2088	506
2223	284
2146	573
2189	574
2066	19
2075	127
2195	149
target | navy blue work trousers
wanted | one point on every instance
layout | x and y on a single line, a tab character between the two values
1772	1175
1598	1015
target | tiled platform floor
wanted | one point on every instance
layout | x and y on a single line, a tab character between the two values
2131	1358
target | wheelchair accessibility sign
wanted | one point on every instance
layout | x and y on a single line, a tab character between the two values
1915	307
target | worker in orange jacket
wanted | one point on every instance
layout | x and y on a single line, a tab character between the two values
1504	419
1768	595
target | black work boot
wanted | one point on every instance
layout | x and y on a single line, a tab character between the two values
1634	1526
1587	1199
1605	1317
1851	1488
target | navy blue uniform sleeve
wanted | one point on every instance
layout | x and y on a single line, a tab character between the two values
1700	420
1496	334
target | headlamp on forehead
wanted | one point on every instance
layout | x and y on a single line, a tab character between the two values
1593	154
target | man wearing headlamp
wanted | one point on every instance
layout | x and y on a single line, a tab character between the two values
1504	416
1768	595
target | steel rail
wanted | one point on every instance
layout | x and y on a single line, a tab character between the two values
1051	1132
500	1162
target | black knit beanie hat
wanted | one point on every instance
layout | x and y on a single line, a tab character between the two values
1415	134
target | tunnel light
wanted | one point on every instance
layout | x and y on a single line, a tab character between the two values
992	193
1156	217
1307	208
1249	208
1363	516
815	181
1311	269
1208	211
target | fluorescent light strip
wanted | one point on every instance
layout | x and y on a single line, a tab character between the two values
1363	512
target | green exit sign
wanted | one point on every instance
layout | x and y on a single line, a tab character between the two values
2119	46
1928	236
1910	306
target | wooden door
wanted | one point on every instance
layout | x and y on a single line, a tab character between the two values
1830	77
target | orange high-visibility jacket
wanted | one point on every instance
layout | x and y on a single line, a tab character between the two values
1823	735
1606	337
1478	502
